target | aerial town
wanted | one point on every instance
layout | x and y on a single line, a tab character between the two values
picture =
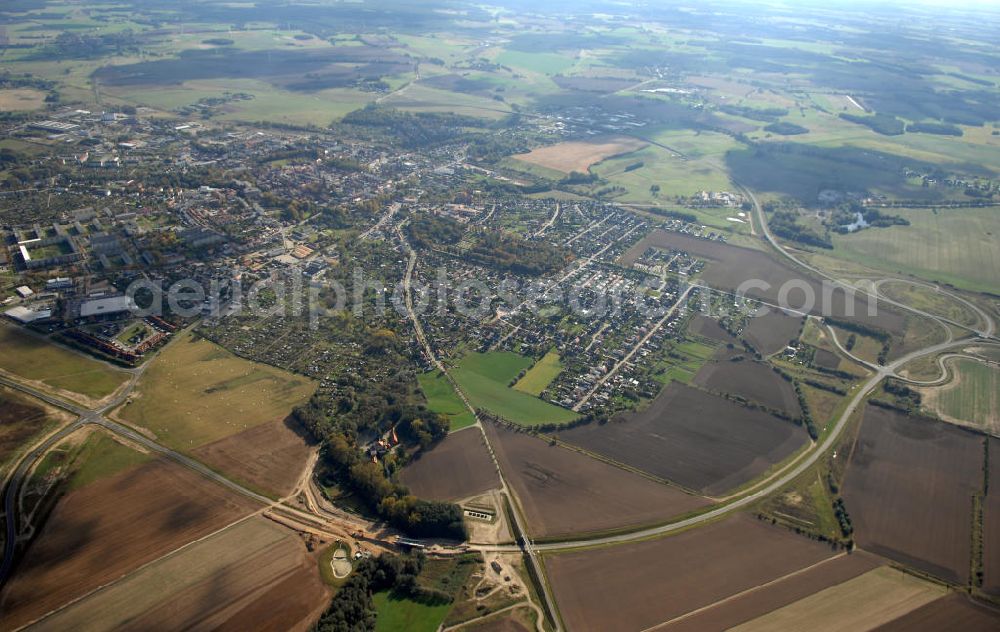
391	317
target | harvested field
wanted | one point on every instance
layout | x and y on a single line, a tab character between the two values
710	328
954	612
112	526
907	471
641	584
456	468
564	492
729	266
256	575
701	441
15	99
875	598
771	332
760	601
196	392
268	457
580	155
991	524
751	380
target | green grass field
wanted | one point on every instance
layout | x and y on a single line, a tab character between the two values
398	614
956	246
35	359
695	355
100	457
484	377
196	392
538	377
421	98
543	63
975	397
442	399
674	175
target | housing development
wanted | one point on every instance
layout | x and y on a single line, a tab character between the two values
397	315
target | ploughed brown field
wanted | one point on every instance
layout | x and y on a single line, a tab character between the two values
580	155
750	605
255	575
954	612
751	380
698	440
908	490
270	457
20	419
771	332
633	586
112	526
564	492
729	266
456	468
991	524
826	359
710	328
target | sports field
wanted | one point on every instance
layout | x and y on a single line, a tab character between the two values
196	392
442	399
538	377
485	379
34	359
956	246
